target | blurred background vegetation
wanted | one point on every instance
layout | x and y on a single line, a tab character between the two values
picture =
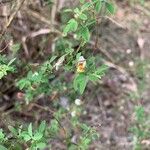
45	103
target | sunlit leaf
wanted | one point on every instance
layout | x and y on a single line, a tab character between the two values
80	82
42	126
98	6
82	1
30	129
110	7
37	136
3	148
71	26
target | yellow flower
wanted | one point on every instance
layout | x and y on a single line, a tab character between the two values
81	64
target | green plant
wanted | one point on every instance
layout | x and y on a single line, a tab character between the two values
140	127
50	76
33	139
5	66
85	17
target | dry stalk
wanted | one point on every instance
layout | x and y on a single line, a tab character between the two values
10	19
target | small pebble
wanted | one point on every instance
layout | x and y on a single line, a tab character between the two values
73	113
131	63
128	51
78	102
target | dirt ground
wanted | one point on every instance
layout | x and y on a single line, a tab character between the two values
126	40
123	38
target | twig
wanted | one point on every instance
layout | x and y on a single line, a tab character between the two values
103	51
37	16
40	32
25	46
10	19
123	71
101	106
53	12
144	10
41	107
98	21
60	4
115	22
4	47
43	19
5	1
20	18
35	34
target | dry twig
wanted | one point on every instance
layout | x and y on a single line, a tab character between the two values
10	19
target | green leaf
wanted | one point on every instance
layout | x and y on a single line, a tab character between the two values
140	113
13	130
142	2
71	26
85	127
77	11
95	136
23	83
11	61
41	145
98	6
93	78
52	58
37	136
83	16
78	56
86	34
86	142
80	82
85	6
42	126
1	134
69	50
26	137
3	148
101	70
54	127
67	10
110	7
30	129
4	69
82	1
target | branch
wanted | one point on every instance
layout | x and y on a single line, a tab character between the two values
10	19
